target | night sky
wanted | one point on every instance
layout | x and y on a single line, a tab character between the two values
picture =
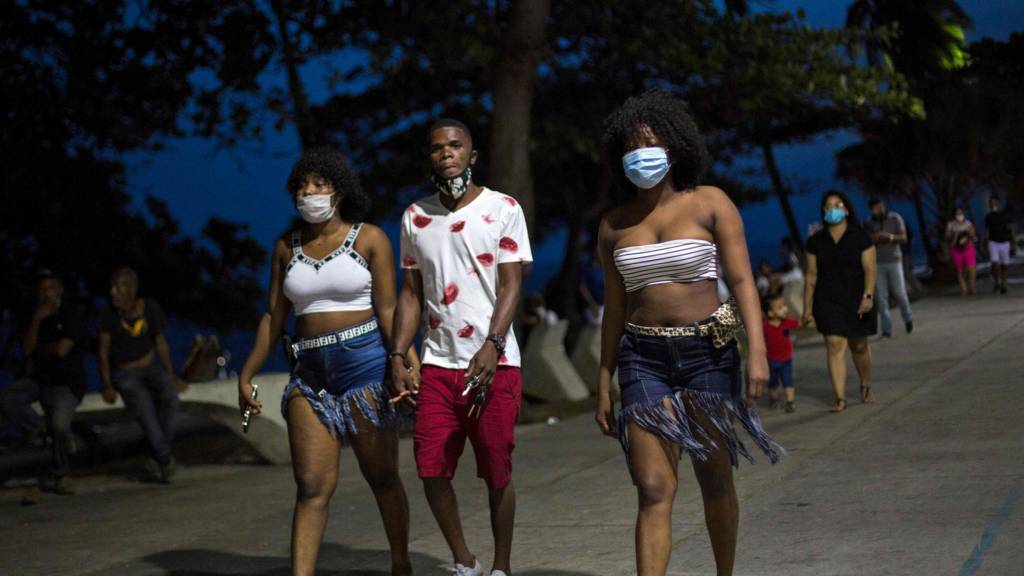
247	184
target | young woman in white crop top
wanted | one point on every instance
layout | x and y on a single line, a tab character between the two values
338	275
666	331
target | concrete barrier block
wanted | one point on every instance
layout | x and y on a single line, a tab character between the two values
547	372
586	358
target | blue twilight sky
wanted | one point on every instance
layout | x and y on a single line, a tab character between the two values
247	184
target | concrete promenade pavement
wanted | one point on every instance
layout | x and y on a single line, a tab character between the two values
928	481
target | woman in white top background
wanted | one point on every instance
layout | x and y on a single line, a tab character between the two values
338	275
666	330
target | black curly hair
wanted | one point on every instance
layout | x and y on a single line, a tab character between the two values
332	166
668	116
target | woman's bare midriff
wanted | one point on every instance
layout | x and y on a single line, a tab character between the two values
323	322
673	304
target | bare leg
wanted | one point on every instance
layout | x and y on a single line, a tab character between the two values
377	453
721	506
503	517
961	279
790	394
444	505
836	347
862	361
315	465
972	275
655	465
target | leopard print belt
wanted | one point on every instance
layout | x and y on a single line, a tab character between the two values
722	326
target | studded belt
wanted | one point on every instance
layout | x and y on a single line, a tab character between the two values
335	337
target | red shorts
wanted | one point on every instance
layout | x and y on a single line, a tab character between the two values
443	424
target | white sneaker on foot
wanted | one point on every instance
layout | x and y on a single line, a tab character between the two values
498	573
475	570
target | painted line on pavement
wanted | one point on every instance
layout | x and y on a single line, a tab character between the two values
973	563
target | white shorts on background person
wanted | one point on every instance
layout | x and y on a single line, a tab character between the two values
999	252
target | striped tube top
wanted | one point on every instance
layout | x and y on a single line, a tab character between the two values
682	260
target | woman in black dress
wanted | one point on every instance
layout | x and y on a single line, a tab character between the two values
839	291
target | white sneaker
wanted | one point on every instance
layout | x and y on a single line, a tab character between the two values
498	573
475	570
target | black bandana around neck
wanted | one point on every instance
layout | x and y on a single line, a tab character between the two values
455	186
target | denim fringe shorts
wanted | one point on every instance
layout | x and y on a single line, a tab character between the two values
342	379
691	373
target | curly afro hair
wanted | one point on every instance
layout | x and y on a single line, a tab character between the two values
668	117
332	166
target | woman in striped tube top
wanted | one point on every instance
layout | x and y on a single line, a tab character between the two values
667	332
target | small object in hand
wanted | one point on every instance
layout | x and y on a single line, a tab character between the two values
471	383
247	414
478	403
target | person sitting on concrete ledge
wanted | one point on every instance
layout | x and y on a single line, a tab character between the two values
131	342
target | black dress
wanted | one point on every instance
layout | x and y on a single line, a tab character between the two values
840	285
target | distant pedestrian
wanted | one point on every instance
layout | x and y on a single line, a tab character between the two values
961	235
999	234
135	362
889	233
778	339
839	293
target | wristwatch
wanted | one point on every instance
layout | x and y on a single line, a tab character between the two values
498	341
869	295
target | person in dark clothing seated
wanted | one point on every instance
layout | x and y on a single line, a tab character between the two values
53	342
131	340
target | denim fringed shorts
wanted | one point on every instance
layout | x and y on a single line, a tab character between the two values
692	374
343	378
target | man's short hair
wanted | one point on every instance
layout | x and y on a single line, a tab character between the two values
127	273
874	201
451	123
45	274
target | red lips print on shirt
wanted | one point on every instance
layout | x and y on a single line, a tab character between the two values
408	261
451	292
487	259
511	201
421	221
488	219
508	244
457	226
466	331
433	321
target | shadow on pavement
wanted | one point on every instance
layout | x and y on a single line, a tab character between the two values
335	560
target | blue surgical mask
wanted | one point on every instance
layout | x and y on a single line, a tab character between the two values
835	215
645	167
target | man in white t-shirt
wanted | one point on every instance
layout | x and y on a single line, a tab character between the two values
462	249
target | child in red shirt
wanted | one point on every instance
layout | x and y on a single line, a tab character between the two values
780	350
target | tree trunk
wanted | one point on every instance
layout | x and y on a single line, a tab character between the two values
522	49
300	102
783	193
922	223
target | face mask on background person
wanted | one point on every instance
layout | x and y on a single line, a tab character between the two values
645	167
315	208
835	215
455	186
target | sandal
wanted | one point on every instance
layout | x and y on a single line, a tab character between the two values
866	396
839	406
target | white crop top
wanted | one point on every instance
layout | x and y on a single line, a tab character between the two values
682	260
339	282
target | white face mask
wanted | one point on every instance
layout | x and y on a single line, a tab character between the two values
315	208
